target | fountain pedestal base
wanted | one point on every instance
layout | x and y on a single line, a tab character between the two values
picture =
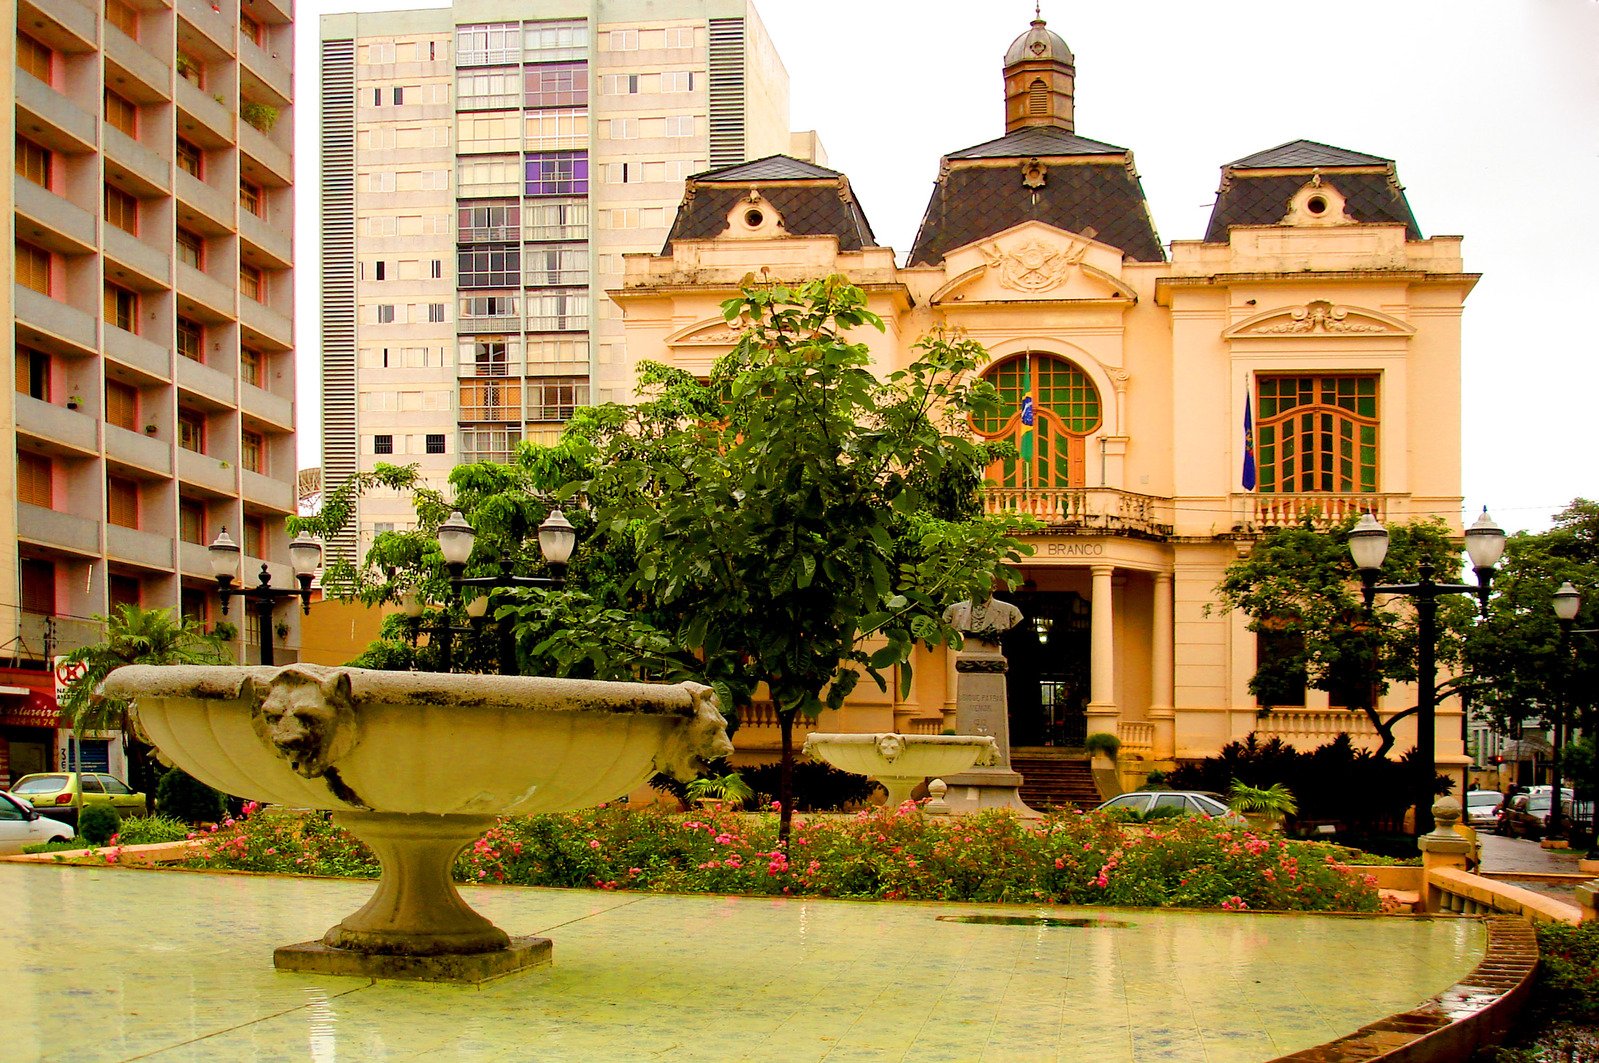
470	968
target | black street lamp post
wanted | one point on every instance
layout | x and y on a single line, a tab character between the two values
557	538
1566	602
1368	544
304	557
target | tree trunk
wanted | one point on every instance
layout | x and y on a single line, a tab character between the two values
785	778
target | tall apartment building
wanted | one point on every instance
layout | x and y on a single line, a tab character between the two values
153	378
484	169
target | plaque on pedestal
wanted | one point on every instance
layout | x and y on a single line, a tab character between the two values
981	707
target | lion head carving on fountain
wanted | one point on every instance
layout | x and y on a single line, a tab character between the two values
307	718
702	738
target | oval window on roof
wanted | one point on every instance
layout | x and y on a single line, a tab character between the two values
1065	409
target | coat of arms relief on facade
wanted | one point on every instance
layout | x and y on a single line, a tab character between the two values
1034	266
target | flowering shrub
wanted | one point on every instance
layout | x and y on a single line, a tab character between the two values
897	854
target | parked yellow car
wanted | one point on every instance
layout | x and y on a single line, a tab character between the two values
53	793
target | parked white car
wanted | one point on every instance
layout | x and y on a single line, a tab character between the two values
1482	807
20	825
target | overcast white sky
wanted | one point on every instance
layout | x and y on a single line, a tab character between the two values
1489	107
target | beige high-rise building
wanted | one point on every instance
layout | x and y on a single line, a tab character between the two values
484	168
153	303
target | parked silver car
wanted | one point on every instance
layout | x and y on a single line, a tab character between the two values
1141	803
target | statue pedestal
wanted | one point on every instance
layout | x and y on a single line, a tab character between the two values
981	709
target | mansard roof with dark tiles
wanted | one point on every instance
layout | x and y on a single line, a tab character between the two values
811	200
1086	187
1036	140
1300	153
1256	189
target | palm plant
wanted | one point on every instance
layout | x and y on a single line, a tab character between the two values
1270	803
133	635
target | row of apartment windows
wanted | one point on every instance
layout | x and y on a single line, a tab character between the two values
674	171
665	81
498	222
387	137
676	125
547	399
486	266
384	52
535	131
479	356
402	314
549	85
34	375
502	43
35	269
36	480
405	269
406	225
428	92
384	444
407	180
36	163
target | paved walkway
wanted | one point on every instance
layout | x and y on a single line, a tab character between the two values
106	963
1520	856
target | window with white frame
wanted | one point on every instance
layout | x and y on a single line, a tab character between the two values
622	129
496	176
679	37
557	311
557	130
477	134
488	44
550	42
622	41
485	91
556	265
677	81
385	313
680	125
380	182
557	219
552	355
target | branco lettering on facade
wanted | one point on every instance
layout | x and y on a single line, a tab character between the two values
1075	549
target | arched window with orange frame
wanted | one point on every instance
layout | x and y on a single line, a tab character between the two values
1064	408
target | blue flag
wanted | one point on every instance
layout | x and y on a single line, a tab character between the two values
1249	446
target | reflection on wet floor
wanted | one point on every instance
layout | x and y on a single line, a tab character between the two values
102	964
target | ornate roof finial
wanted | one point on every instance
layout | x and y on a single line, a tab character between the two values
1038	13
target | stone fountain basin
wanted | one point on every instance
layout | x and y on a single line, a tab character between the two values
415	742
900	761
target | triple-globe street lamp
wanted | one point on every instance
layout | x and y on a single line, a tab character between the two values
305	554
1368	545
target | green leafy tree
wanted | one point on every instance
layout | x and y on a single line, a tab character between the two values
133	635
1300	584
796	521
1516	669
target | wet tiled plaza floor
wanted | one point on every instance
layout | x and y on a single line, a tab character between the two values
102	964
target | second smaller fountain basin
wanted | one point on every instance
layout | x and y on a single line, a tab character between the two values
900	761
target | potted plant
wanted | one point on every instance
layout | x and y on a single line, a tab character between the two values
74	401
714	789
225	631
1103	747
261	115
1263	807
149	429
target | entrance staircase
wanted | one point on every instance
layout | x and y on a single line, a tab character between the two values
1055	778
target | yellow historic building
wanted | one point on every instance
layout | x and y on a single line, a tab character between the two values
1312	306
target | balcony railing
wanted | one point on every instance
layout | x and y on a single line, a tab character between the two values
1262	512
1306	729
1106	510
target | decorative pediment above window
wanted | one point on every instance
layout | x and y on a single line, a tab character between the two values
713	333
1319	318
